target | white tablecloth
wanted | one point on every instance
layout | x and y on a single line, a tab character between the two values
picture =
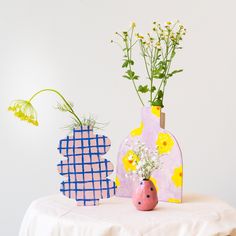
198	215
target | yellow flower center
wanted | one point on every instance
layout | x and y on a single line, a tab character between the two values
130	159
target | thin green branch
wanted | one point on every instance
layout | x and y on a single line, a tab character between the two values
129	56
62	97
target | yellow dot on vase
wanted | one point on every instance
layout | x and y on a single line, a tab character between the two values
154	181
177	176
174	200
138	131
156	110
117	181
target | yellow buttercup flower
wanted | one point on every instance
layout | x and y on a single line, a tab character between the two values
164	143
174	200
156	110
138	131
130	161
177	176
24	111
117	181
154	181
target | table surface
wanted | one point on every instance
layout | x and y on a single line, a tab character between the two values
197	215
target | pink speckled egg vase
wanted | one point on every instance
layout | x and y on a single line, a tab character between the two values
145	196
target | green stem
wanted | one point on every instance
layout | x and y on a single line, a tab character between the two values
166	68
146	67
62	97
151	78
145	60
167	72
129	55
135	86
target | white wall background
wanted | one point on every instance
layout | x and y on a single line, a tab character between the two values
66	45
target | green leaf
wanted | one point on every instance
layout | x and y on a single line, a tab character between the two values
161	76
126	76
131	62
153	89
159	72
143	89
135	77
130	73
162	63
157	102
125	64
160	94
173	54
155	72
174	72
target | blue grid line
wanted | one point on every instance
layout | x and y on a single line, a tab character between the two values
67	144
74	166
87	129
81	182
86	172
85	189
99	146
82	146
99	167
85	153
92	172
85	163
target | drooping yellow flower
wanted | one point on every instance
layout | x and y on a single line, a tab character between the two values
156	110
174	200
24	111
117	181
177	176
164	143
130	161
154	181
138	131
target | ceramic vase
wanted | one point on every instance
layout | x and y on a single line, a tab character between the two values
167	179
145	196
84	168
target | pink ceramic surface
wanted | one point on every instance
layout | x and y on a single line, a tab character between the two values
84	168
145	196
168	179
